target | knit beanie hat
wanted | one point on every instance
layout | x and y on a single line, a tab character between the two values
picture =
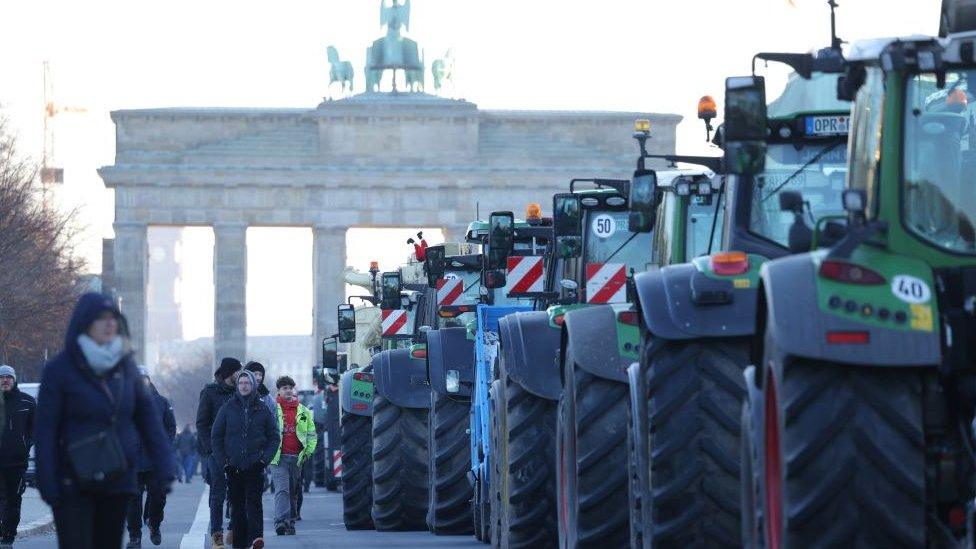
8	371
255	366
227	367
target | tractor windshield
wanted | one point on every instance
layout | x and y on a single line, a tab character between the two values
940	159
701	219
607	240
816	169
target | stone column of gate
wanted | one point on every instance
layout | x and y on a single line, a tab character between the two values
329	287
230	284
131	271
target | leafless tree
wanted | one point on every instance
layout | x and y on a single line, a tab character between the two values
39	272
180	375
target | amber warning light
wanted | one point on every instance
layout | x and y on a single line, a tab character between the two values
706	108
533	211
642	125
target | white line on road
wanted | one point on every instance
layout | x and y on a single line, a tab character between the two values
194	539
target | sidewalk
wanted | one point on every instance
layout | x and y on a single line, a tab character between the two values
35	515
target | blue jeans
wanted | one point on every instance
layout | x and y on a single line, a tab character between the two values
218	495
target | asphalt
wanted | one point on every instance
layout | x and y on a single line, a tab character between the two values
185	526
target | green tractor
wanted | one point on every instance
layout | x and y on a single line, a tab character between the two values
698	318
671	216
858	431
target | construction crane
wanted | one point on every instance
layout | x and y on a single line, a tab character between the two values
51	175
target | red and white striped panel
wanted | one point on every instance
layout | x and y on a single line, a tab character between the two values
449	291
337	463
395	323
525	274
606	283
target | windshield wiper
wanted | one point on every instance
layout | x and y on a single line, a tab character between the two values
816	157
631	237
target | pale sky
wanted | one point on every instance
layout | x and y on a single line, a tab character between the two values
644	55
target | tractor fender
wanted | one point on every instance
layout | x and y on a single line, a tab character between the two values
401	379
530	350
592	333
450	349
357	403
668	312
799	326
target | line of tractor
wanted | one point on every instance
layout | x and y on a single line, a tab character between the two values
774	346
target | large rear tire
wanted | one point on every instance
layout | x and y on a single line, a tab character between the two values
497	507
357	474
400	476
528	470
449	510
594	506
846	468
696	391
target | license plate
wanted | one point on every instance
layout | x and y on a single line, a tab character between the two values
828	125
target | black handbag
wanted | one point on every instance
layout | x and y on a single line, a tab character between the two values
98	459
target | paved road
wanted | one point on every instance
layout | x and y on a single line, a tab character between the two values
187	515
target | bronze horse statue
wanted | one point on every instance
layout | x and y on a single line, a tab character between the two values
394	51
340	71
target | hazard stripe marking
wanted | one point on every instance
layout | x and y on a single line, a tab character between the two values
606	283
337	463
525	275
449	290
393	322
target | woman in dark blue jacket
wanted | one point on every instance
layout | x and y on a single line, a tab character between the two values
92	387
245	438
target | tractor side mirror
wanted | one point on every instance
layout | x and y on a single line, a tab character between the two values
745	124
643	201
330	356
343	364
494	278
501	238
567	221
392	285
347	323
436	264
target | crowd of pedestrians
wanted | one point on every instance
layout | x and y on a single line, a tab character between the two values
110	449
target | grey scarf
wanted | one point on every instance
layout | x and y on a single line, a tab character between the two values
101	358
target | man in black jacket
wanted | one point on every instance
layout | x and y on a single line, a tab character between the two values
212	397
15	445
152	511
245	438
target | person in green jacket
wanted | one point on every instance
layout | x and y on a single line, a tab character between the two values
298	439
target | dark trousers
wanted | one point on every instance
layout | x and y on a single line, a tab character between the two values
90	522
189	463
218	494
153	507
12	488
244	489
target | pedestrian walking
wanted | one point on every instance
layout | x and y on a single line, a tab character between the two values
212	398
15	445
151	510
298	439
93	411
186	447
264	394
244	440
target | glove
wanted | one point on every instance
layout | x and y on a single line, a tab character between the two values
261	464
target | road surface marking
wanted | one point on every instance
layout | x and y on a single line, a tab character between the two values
194	539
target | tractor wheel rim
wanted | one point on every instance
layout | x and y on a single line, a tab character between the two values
772	467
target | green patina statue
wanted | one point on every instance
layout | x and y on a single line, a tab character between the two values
340	71
393	51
